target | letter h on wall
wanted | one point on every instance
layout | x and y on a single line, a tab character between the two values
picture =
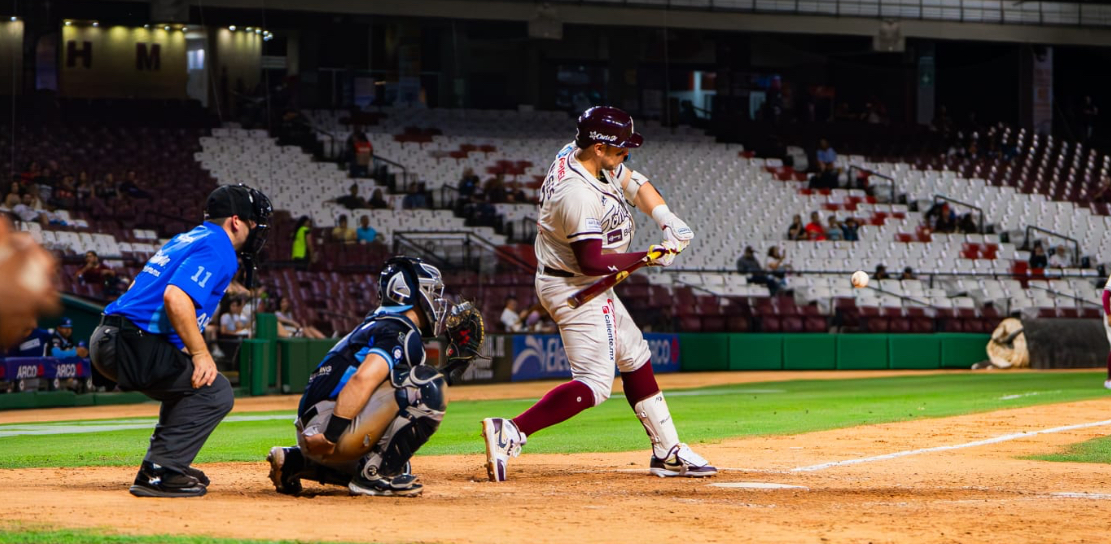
73	53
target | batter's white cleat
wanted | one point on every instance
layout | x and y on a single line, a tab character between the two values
1107	384
503	440
681	461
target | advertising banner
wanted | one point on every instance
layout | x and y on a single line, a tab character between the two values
541	356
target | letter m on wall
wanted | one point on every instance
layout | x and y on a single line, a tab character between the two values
148	58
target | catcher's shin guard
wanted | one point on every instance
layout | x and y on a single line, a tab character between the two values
421	404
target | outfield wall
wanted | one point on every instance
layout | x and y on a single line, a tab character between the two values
777	351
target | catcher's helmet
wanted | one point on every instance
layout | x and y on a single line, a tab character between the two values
606	125
408	282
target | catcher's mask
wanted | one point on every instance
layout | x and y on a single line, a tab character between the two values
408	282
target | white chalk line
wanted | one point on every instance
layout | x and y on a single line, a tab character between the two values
1031	394
25	429
995	440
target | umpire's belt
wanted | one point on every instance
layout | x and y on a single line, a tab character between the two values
556	272
120	322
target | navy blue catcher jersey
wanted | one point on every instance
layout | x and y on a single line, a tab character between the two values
386	332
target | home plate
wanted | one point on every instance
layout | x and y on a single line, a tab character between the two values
759	485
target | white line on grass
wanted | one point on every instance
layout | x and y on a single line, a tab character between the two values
107	426
1003	438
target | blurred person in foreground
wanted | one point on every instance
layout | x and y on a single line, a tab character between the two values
27	289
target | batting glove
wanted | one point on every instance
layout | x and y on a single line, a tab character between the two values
668	250
675	229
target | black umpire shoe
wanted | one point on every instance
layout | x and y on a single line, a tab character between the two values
154	480
196	473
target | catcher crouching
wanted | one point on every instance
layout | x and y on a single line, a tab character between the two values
373	400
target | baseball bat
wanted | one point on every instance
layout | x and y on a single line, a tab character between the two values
588	293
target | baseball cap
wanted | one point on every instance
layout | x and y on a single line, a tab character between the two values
229	200
66	323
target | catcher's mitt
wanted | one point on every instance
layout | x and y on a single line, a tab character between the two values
466	332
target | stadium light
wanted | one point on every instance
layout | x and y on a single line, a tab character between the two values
14	18
258	31
96	23
69	23
250	28
231	28
146	26
166	28
184	29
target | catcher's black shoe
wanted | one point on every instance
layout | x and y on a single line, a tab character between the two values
285	464
404	485
154	480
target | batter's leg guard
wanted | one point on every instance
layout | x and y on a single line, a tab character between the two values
656	418
421	403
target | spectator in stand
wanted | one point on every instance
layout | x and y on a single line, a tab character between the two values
826	155
495	189
1060	258
1037	257
302	241
94	272
1089	113
106	189
62	344
880	273
797	231
352	200
851	230
27	177
834	231
941	218
361	152
30	209
467	184
538	320
967	225
131	187
291	326
234	323
814	230
908	274
377	201
777	269
65	194
83	188
365	233
415	199
511	319
15	196
747	263
342	232
874	113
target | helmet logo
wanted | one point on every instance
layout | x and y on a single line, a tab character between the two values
399	288
595	135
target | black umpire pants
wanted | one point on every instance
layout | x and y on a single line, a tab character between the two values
148	363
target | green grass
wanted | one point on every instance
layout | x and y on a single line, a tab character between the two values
1096	450
21	535
715	413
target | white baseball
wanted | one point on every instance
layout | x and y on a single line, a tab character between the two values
860	279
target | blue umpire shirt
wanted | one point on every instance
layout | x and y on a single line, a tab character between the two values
200	262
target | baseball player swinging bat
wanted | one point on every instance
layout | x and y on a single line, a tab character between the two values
601	286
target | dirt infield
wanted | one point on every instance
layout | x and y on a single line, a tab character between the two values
979	493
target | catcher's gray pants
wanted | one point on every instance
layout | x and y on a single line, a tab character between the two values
365	430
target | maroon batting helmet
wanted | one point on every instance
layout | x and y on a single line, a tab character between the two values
606	125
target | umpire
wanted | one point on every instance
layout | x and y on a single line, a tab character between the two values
150	339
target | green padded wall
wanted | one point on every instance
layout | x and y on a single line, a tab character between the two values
961	350
755	351
704	351
809	351
862	351
295	364
256	365
914	351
